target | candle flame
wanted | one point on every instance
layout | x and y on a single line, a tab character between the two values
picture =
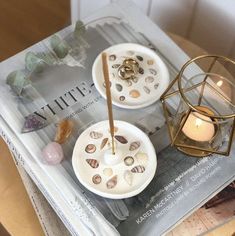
198	122
219	83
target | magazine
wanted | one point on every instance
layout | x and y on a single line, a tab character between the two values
181	184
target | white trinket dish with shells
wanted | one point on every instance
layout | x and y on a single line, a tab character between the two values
130	170
144	88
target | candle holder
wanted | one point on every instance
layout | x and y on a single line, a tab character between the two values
199	106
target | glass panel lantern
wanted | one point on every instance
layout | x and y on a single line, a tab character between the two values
199	106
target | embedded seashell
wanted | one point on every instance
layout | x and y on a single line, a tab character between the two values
93	163
146	89
96	179
64	130
95	135
134	93
129	161
152	71
119	87
130	53
112	57
103	143
121	98
128	176
115	66
121	139
149	79
141	158
156	85
138	169
134	145
128	83
139	58
150	62
110	83
141	70
135	80
90	148
108	172
112	182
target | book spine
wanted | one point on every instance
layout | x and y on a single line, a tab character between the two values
19	161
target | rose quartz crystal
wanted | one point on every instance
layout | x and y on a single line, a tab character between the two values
53	153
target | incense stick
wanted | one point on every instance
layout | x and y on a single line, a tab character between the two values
109	98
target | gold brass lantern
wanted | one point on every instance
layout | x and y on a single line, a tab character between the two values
199	106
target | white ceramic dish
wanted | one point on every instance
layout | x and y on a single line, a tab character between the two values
149	92
122	189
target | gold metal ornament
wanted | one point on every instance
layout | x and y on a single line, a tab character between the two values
129	69
199	106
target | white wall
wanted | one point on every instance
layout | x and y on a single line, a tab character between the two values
208	23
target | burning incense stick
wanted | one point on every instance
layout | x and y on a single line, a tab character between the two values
109	98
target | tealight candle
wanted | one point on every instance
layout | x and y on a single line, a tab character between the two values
199	127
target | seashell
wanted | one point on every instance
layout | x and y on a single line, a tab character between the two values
53	153
135	80
150	62
110	83
146	89
128	176
134	93
95	135
112	182
108	172
103	143
96	179
152	71
130	53
64	130
119	87
141	70
122	98
93	163
149	79
90	148
138	169
59	46
129	161
128	83
134	145
33	122
112	57
115	66
121	139
139	58
156	85
141	158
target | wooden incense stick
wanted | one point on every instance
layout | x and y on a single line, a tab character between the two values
109	98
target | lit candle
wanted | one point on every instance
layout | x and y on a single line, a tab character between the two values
199	127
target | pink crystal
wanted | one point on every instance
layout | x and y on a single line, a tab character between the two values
53	153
